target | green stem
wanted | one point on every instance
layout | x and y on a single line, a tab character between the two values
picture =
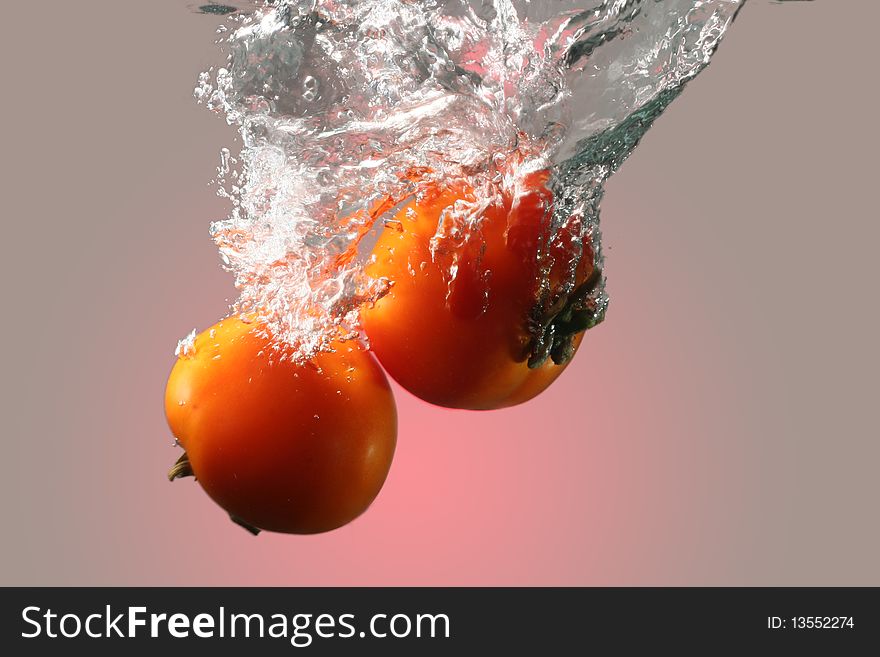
555	329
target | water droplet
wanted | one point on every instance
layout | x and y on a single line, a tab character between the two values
225	159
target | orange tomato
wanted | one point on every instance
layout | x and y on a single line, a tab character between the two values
281	446
482	340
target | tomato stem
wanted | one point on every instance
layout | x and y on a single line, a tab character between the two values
181	468
554	330
241	523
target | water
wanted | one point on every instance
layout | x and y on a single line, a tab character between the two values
348	108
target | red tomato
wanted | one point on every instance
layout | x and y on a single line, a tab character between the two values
281	446
483	340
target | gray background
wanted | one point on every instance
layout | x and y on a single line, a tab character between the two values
722	428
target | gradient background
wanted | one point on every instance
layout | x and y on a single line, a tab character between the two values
719	428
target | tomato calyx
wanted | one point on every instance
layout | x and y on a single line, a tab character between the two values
181	468
553	330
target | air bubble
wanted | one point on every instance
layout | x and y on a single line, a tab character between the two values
310	88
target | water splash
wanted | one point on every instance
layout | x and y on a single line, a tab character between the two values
348	108
186	347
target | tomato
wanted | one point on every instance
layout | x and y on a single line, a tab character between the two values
491	337
281	446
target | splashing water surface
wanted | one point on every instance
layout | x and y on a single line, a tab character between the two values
349	108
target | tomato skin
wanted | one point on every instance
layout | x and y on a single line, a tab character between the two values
283	447
465	346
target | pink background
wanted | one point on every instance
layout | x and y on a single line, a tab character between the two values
719	428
